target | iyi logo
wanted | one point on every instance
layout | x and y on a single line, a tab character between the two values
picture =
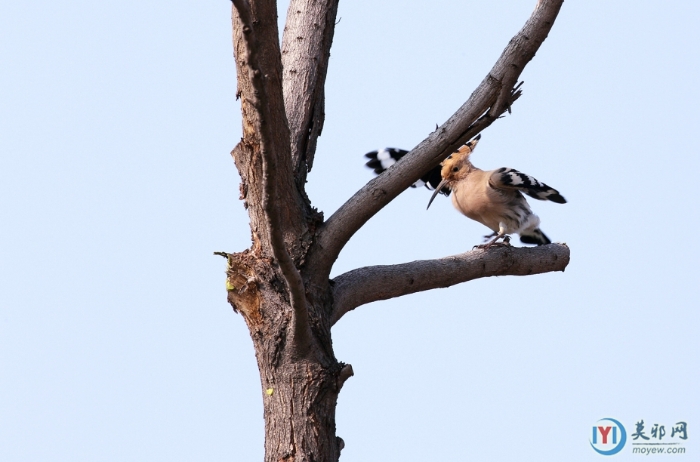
608	437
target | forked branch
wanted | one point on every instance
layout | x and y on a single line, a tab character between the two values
491	98
266	99
373	283
306	45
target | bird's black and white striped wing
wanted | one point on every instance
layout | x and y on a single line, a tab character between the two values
382	159
509	178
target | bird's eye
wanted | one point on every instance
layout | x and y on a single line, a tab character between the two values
455	169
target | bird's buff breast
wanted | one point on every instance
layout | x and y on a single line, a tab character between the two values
471	201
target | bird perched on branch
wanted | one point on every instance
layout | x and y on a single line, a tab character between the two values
493	198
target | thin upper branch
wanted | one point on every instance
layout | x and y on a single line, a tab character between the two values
373	283
491	98
306	44
266	98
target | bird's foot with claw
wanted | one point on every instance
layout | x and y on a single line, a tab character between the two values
505	243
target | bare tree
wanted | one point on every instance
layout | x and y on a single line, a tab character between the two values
281	284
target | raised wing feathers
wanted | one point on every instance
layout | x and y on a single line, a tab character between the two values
509	178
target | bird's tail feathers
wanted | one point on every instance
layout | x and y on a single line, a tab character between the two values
534	236
382	159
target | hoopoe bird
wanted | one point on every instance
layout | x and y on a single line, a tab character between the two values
494	198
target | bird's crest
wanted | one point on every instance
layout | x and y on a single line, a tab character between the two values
456	166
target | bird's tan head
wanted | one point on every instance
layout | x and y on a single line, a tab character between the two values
457	166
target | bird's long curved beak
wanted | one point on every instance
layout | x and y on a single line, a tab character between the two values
437	190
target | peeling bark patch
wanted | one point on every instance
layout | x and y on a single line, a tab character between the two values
378	193
243	194
243	293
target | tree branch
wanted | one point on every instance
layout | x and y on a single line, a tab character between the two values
266	98
373	283
308	35
491	98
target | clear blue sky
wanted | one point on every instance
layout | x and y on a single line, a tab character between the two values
116	185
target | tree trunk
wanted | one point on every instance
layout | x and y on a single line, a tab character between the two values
280	285
299	392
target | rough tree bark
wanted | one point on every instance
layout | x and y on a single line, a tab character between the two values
280	285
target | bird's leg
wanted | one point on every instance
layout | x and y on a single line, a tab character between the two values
491	238
496	236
